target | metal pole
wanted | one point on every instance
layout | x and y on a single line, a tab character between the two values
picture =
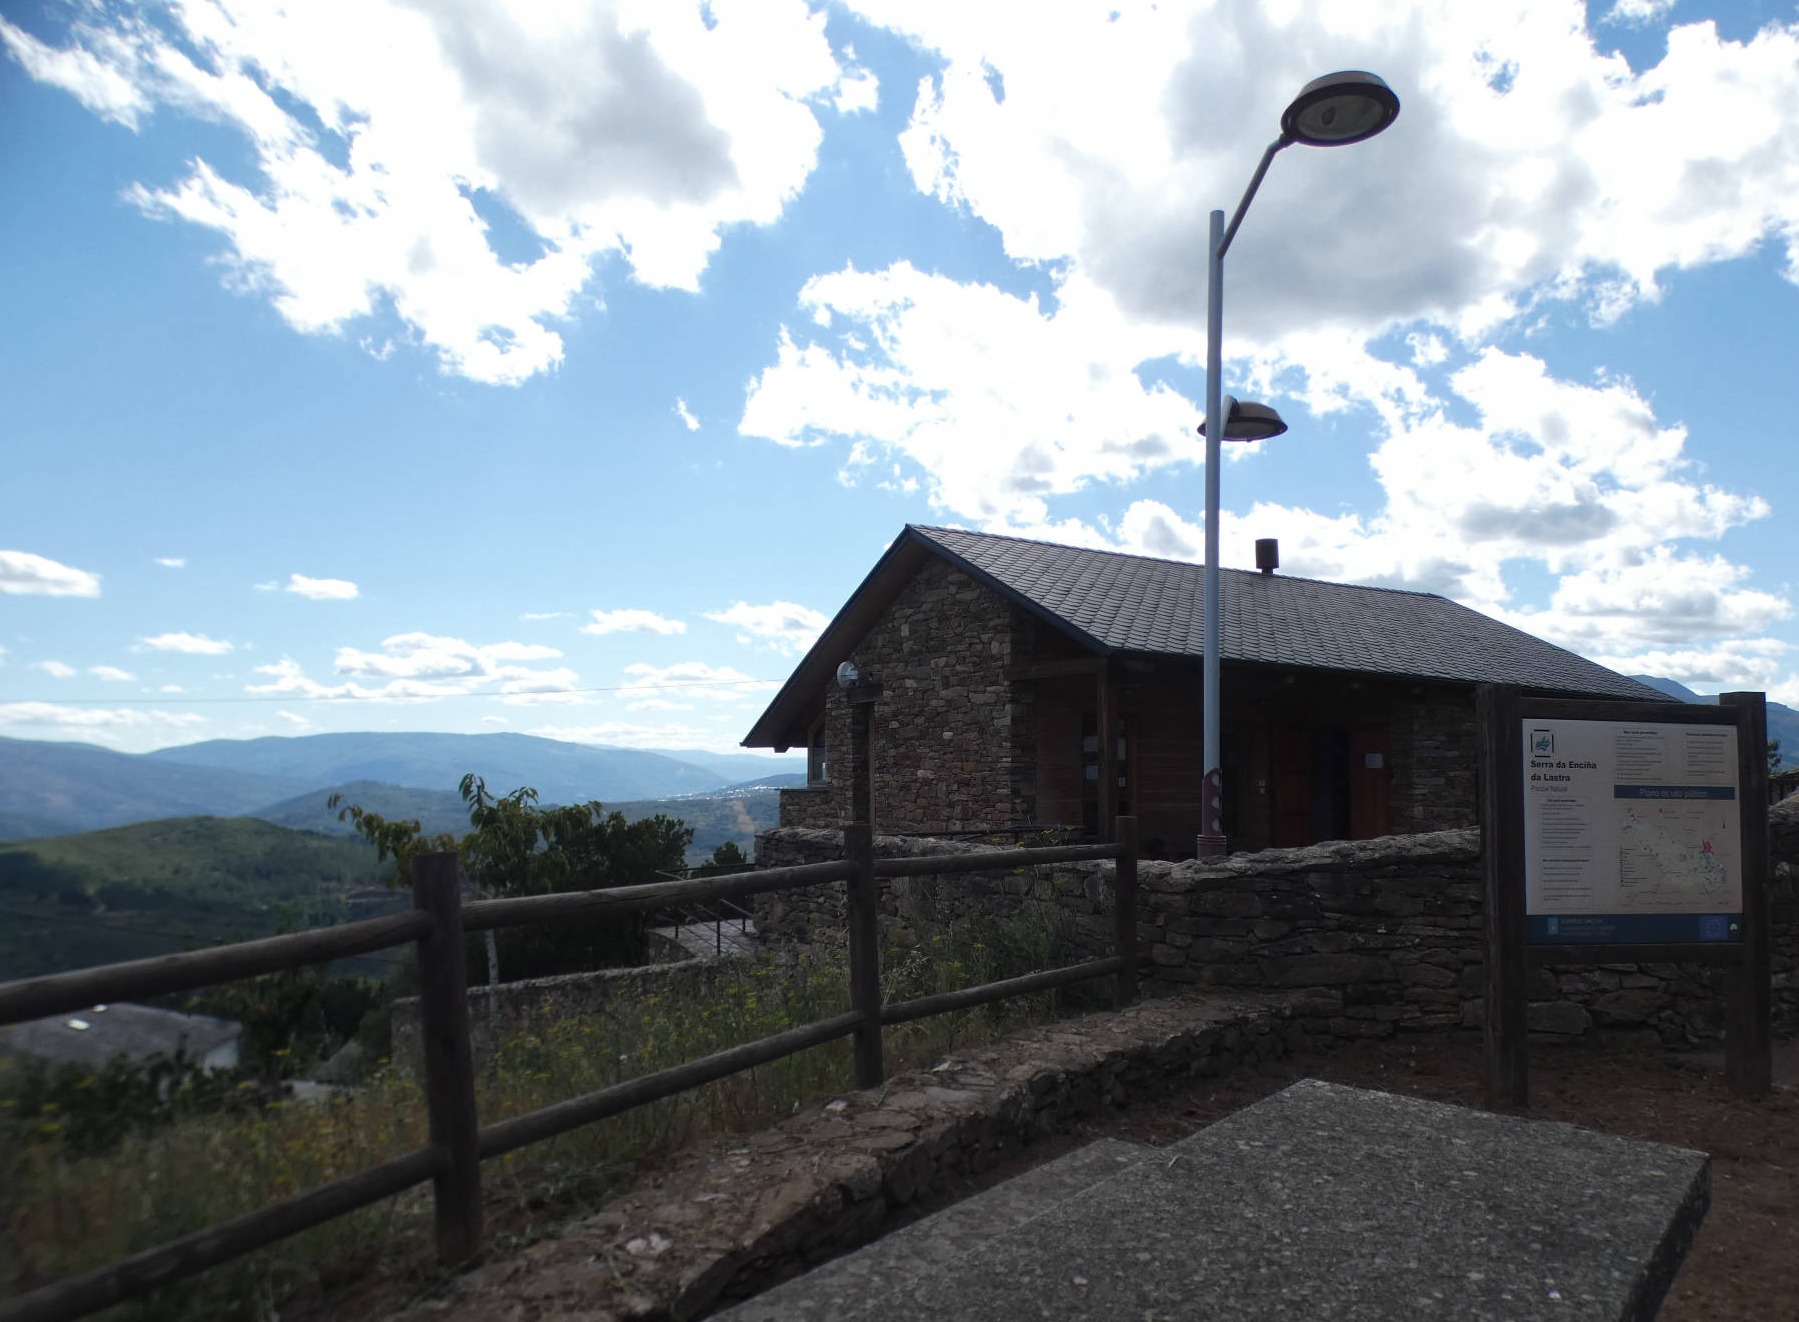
1211	796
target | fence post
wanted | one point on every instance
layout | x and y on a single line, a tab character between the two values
1124	913
449	1060
865	952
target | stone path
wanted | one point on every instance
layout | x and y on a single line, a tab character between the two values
1320	1202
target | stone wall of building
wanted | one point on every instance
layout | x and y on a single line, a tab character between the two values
953	736
1371	937
1435	755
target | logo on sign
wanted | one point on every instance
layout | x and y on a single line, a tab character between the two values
1542	743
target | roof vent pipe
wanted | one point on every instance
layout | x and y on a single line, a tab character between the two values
1268	554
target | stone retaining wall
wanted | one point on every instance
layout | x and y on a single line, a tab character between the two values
766	1207
513	1007
1375	937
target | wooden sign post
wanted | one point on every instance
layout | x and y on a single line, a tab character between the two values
1624	832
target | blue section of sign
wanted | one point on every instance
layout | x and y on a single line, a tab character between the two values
1594	929
1674	791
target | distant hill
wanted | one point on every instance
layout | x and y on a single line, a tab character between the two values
436	811
54	788
560	772
1783	721
738	768
156	887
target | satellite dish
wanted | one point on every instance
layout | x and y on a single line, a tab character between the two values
847	674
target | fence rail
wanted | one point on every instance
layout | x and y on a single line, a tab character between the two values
438	922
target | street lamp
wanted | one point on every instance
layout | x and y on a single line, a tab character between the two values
1331	111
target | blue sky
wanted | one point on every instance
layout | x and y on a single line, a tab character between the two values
561	368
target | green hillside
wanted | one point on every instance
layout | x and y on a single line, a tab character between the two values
156	887
715	818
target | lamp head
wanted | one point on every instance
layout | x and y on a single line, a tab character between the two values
1340	108
847	674
1250	422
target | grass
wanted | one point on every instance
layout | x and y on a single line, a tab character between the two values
66	1214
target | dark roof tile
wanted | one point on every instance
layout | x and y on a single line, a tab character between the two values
1138	604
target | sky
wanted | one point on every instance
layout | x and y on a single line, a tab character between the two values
561	367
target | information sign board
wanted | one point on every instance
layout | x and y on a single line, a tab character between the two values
1632	832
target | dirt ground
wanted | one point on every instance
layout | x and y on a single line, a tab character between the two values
1745	1264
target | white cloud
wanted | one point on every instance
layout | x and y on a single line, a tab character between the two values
171	688
649	686
91	72
271	586
685	414
24	574
111	674
632	621
1527	168
54	716
1739	663
421	667
389	140
858	91
495	720
171	562
194	644
1000	404
321	589
543	615
296	720
55	669
1520	149
1636	13
625	734
782	625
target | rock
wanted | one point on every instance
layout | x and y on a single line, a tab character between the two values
1561	1017
1632	1005
1325	970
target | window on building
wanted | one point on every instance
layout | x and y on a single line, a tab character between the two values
818	764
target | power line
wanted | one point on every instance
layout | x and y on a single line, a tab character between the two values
291	698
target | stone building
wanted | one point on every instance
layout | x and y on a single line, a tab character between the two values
1029	684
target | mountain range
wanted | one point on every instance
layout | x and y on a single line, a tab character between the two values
1783	721
57	788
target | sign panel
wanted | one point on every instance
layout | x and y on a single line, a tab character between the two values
1632	832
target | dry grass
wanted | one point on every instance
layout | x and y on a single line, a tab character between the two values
66	1214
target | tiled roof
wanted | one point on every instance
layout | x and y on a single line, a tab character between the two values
94	1036
1134	603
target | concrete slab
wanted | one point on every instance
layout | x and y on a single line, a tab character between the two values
1325	1202
838	1288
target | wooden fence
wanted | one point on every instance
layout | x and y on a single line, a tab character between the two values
459	1143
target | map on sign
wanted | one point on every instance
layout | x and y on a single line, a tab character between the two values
1632	831
1670	853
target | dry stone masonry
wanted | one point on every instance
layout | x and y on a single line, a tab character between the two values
1369	938
952	725
739	1219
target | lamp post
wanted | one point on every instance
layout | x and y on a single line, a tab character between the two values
1331	111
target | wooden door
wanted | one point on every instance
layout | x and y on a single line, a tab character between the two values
1291	783
1370	784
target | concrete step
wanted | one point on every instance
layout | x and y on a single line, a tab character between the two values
841	1288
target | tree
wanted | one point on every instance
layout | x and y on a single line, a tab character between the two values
1773	751
516	847
727	857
